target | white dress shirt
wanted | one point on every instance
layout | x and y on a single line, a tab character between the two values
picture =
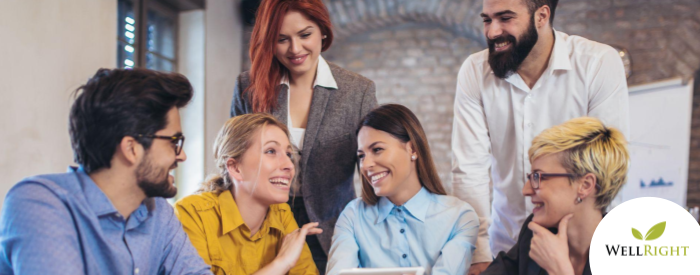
324	78
496	120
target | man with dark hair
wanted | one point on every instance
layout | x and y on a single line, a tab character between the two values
530	78
109	215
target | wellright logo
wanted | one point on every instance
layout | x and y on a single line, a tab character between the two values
666	246
654	233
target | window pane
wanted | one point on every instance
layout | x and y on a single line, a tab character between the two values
154	62
126	34
125	55
161	34
126	21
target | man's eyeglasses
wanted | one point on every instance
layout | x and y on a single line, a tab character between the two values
177	140
537	177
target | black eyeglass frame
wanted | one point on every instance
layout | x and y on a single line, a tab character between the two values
178	140
535	184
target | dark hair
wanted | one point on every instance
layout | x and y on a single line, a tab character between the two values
118	103
402	124
533	5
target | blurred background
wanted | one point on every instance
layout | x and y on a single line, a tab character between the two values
412	49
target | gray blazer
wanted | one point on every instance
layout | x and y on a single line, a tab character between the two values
329	152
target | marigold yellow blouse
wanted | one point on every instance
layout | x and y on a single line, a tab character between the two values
216	229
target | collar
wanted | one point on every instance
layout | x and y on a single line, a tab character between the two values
231	216
417	206
324	76
97	199
559	60
100	203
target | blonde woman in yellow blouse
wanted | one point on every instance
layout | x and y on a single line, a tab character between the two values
240	222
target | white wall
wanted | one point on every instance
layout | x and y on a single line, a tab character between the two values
191	64
210	57
48	49
223	64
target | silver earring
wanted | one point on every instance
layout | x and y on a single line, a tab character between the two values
324	37
413	157
579	200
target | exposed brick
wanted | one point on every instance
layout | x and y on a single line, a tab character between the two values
412	49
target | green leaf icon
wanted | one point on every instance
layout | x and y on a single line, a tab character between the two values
656	231
637	234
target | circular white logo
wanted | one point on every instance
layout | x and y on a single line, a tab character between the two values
646	236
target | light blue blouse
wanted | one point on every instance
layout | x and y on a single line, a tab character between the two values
436	232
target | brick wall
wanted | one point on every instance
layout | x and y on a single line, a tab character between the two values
412	49
414	65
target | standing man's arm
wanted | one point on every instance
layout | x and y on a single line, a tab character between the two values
608	97
471	159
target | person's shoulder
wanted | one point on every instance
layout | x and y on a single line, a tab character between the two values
344	77
582	47
58	184
244	77
476	65
200	201
451	202
49	191
357	205
281	209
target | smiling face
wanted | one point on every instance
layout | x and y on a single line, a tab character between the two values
556	196
152	173
265	171
386	162
504	20
299	44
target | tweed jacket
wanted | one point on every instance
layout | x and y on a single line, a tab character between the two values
517	261
329	152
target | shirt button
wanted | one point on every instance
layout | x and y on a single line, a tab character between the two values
136	271
402	230
404	256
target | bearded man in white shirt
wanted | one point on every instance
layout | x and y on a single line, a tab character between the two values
529	79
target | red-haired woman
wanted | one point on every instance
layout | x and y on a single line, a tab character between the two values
320	102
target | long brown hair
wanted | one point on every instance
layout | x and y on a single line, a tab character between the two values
266	71
401	123
233	140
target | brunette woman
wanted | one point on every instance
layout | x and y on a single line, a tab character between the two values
404	217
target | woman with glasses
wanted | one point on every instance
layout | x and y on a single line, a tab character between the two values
239	222
577	169
404	218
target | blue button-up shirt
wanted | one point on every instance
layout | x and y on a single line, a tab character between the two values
64	224
433	231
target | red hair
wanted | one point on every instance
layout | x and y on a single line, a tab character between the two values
266	71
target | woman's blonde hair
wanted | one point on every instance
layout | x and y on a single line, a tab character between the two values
233	140
588	146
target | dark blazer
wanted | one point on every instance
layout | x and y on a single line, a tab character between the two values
329	152
517	261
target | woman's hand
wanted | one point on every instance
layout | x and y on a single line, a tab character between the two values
550	251
293	243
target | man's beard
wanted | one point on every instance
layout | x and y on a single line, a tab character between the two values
506	63
153	181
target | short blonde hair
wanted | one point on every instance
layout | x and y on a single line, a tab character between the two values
588	146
